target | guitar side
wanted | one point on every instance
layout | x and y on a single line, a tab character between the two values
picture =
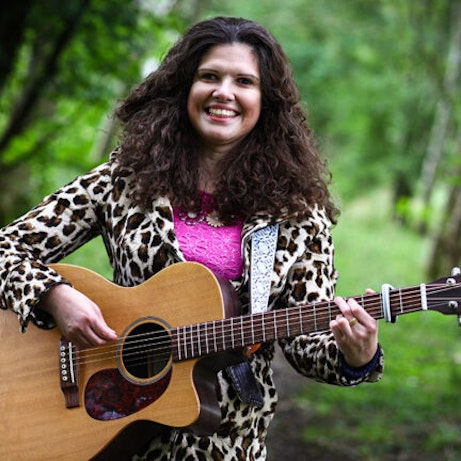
35	423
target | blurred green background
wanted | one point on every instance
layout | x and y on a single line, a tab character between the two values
380	83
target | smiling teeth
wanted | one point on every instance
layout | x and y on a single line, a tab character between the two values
222	112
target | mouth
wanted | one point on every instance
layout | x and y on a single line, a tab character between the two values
217	112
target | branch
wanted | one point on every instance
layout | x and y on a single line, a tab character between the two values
42	78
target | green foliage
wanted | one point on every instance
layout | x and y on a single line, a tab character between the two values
70	124
412	411
370	76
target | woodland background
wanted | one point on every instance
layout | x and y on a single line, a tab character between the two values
380	82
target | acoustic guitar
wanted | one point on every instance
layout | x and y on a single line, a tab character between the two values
175	332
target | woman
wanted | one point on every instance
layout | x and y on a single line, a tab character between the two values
215	146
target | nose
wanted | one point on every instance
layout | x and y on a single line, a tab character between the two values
224	90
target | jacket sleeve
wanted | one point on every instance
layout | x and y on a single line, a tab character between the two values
60	224
312	278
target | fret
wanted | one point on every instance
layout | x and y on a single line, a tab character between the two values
197	340
314	315
300	318
239	332
223	336
232	333
175	349
270	326
401	301
192	342
207	347
176	333
214	337
263	328
287	321
179	342
330	317
239	335
274	322
185	343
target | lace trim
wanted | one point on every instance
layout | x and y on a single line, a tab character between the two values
263	245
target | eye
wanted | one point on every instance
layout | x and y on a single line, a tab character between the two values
245	81
207	76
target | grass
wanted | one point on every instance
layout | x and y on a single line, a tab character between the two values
412	413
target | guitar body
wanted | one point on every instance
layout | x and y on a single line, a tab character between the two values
34	420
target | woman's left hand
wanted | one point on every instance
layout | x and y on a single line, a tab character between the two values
356	333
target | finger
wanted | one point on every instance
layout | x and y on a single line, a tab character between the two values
347	312
353	322
100	327
103	331
341	327
343	306
362	316
99	333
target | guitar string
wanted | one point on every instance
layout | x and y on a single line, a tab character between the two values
169	348
259	334
164	342
224	330
138	361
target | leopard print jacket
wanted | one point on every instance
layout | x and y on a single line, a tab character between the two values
140	243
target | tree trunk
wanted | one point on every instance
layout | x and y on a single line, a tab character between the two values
41	78
13	15
444	111
446	248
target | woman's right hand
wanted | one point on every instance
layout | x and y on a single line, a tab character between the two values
79	319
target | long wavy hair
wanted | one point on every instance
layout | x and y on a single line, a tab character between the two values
275	169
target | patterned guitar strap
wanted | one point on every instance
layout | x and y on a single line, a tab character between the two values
263	245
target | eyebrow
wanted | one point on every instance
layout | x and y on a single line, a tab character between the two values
243	74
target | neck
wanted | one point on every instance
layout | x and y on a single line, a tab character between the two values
238	332
210	171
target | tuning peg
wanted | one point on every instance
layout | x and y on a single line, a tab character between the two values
455	271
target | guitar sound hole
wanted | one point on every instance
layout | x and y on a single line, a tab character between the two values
146	351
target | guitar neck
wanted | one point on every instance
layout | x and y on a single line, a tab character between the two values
237	332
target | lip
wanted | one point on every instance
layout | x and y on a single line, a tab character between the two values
219	112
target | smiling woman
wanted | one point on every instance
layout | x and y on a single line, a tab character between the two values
215	153
224	101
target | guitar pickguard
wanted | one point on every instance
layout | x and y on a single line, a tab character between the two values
109	396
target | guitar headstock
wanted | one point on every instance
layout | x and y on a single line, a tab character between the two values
444	294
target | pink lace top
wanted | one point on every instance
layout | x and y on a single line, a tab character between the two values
217	248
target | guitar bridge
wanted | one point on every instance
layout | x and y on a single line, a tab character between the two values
68	372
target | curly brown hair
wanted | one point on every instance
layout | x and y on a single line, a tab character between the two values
275	169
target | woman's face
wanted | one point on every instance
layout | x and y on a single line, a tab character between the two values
224	101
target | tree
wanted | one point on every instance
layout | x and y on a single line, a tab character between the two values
71	61
12	24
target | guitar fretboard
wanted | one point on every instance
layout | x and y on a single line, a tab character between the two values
234	333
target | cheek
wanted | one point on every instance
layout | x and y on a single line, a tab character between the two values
189	107
256	110
195	101
192	109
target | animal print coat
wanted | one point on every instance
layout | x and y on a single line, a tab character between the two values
139	244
